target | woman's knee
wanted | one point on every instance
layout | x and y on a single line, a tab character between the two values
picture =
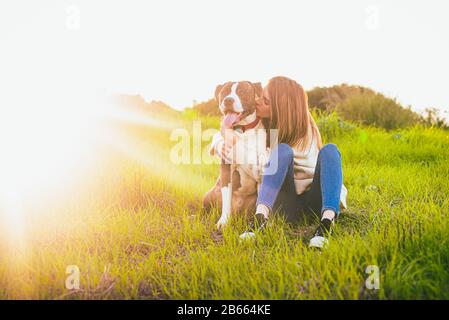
284	152
329	149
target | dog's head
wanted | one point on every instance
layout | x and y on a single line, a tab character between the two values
237	101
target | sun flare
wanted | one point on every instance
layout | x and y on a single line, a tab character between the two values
43	150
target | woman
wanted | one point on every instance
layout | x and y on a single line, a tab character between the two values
308	177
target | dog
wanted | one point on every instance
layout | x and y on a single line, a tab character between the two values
237	186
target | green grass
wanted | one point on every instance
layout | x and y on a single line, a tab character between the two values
137	231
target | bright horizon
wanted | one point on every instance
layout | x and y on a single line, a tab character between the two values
178	51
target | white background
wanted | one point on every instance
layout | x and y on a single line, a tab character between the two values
177	51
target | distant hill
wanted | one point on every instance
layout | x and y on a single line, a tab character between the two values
323	98
208	108
351	102
138	103
354	103
327	98
363	105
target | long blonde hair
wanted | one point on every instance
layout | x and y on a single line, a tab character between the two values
290	114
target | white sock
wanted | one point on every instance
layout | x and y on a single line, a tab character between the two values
263	209
328	214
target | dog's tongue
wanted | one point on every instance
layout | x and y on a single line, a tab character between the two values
230	119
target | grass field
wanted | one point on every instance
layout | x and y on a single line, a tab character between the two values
134	227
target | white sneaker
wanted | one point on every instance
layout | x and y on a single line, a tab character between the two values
247	235
321	235
259	223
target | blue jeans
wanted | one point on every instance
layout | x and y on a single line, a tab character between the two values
278	192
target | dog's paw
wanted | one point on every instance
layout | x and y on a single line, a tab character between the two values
221	224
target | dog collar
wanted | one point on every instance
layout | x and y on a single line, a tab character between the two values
248	126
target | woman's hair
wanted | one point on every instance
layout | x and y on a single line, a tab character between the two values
290	114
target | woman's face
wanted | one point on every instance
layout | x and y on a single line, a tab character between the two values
263	105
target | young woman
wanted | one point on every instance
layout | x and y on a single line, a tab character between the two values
308	178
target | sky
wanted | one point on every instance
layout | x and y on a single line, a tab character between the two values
178	51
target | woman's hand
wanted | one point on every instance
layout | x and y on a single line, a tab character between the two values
223	143
225	147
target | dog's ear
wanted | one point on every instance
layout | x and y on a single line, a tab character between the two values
258	88
218	89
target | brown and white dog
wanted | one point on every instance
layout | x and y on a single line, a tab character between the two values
236	188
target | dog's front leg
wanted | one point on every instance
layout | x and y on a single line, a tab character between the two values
226	194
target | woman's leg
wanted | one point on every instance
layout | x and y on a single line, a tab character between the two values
277	191
325	190
323	198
